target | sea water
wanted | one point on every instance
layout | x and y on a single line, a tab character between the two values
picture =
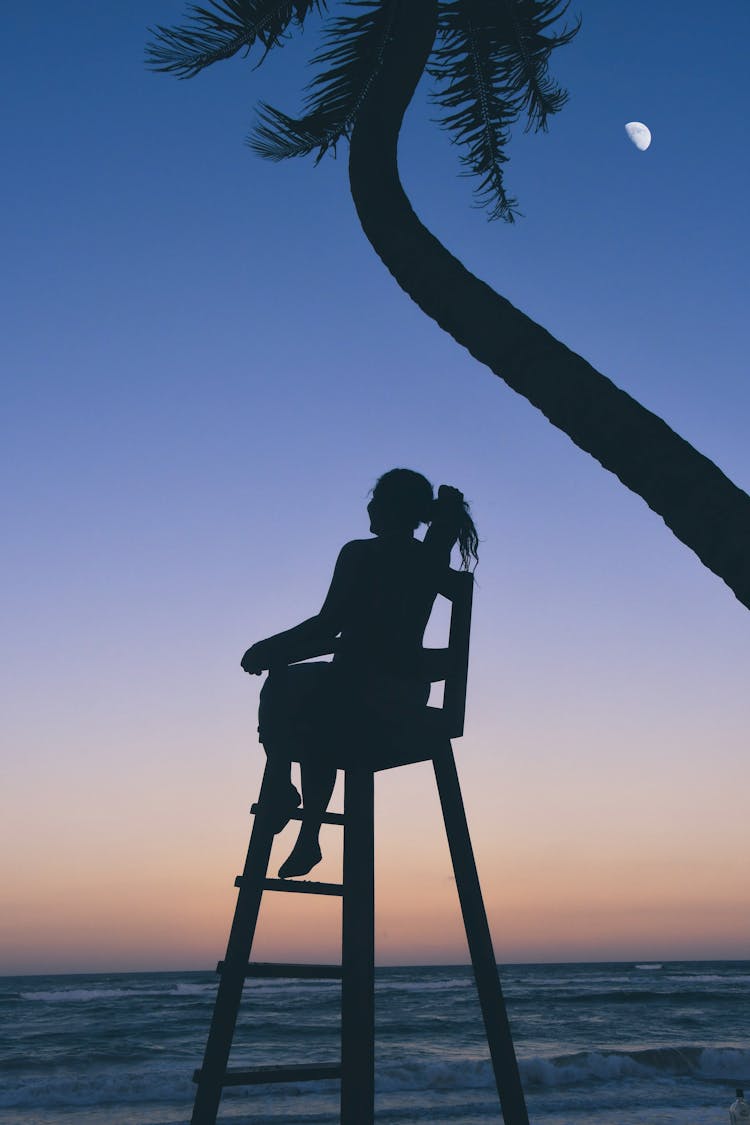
599	1044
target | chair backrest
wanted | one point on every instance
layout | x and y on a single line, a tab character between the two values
451	664
459	589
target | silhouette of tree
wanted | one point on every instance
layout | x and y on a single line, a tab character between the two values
489	62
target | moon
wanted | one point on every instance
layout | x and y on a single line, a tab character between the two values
639	134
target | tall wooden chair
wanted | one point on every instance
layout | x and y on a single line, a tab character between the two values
355	1069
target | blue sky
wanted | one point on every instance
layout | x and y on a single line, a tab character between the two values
206	368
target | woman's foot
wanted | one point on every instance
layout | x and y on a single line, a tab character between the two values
303	857
284	803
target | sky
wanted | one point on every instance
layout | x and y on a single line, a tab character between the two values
206	368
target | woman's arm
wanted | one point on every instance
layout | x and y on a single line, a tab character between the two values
442	534
310	637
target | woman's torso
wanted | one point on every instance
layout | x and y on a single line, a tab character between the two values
390	590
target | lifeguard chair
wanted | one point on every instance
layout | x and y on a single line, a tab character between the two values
355	1068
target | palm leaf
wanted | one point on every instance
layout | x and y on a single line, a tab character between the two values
478	113
491	64
222	30
351	56
526	52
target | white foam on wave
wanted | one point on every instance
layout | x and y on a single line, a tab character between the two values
715	978
449	985
81	995
567	1071
206	989
649	967
84	995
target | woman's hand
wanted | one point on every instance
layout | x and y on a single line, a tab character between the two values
450	494
448	504
255	660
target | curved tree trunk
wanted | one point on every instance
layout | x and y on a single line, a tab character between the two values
695	499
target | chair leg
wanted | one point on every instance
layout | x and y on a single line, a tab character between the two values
231	981
478	935
358	952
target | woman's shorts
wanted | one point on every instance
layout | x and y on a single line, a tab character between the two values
326	711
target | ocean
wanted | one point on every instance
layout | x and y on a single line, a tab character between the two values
599	1044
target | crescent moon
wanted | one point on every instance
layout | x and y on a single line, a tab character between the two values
639	134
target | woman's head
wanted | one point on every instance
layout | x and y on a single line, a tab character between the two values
402	499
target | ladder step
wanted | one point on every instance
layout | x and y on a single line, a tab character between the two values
328	818
297	886
302	886
258	1075
279	969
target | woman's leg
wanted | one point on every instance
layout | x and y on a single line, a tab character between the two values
284	796
318	781
322	721
275	733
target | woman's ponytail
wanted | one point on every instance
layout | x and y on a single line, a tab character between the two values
468	540
451	506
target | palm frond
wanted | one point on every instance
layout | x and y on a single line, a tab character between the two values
491	64
527	50
278	136
352	54
478	112
216	33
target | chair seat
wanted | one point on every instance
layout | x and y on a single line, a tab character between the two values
387	747
419	742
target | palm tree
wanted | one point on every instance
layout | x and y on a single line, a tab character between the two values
489	60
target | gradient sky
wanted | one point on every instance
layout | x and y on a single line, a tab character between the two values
205	368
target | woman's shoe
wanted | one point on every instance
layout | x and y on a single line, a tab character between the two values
302	858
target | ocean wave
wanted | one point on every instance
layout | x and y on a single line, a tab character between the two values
208	988
714	978
724	1062
633	996
649	968
86	995
453	983
171	1083
669	1062
93	1088
186	992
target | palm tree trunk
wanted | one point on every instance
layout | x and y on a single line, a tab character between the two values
703	508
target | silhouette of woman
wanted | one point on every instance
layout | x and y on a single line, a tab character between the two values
373	619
